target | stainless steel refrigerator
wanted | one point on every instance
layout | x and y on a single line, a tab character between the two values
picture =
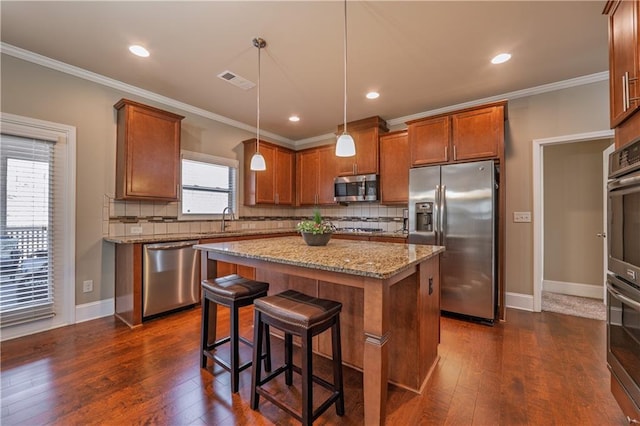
455	206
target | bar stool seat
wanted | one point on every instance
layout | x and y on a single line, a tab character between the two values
305	316
234	292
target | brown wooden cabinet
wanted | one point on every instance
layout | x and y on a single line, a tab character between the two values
470	134
624	69
315	171
394	168
365	133
147	152
624	59
275	185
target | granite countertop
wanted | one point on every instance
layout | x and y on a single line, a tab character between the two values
364	258
144	239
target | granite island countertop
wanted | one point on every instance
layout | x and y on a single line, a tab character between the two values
364	258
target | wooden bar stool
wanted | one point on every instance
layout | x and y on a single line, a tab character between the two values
298	314
234	292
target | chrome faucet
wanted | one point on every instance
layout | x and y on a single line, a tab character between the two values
223	225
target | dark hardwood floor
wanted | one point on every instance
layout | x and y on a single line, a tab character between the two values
534	369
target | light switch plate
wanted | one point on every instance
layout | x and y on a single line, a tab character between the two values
136	230
520	217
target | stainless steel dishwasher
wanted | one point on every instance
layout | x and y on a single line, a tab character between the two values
170	277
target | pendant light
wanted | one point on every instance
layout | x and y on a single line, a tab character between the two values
345	146
257	161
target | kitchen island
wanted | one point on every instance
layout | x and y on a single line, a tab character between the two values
390	294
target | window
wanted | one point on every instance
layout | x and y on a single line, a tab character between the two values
37	232
208	185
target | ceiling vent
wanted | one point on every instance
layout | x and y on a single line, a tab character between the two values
236	80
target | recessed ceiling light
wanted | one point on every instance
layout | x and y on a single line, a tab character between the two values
503	57
294	118
373	95
138	50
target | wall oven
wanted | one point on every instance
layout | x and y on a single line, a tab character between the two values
623	281
624	213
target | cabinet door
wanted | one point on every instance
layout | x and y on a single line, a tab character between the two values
266	179
429	141
477	134
307	177
623	60
394	168
148	153
284	176
366	159
367	151
326	174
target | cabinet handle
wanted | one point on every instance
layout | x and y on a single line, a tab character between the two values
632	421
430	285
446	153
625	86
455	153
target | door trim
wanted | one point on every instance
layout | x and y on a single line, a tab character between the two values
538	205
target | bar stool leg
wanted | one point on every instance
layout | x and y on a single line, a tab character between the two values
258	328
235	340
204	332
208	328
267	348
336	346
288	358
307	380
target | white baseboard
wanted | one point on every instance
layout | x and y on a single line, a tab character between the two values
93	310
573	289
520	301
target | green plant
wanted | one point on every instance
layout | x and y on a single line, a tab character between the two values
316	225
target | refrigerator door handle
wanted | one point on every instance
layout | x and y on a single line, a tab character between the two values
443	214
436	216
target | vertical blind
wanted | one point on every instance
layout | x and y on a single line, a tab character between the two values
27	223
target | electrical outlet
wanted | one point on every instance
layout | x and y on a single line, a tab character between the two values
521	217
87	286
244	226
252	226
280	225
136	230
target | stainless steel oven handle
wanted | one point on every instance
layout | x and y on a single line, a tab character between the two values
622	297
624	182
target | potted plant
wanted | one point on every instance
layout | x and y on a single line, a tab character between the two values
315	232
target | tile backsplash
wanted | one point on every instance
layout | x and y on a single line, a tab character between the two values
126	218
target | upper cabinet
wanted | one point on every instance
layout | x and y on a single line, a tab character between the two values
624	62
275	185
394	168
315	168
470	134
147	153
365	134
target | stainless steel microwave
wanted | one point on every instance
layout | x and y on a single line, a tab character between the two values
355	188
623	231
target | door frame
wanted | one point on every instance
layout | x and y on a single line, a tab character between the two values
605	217
538	204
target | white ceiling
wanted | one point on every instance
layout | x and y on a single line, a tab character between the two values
420	55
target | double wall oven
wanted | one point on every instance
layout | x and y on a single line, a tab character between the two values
623	281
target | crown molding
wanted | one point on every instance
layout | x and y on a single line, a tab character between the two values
127	88
564	84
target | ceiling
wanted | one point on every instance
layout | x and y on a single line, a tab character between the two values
420	55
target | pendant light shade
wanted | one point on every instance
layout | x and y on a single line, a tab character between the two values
257	161
345	146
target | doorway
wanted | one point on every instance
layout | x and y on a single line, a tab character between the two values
539	204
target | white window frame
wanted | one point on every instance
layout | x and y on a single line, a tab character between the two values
211	159
65	138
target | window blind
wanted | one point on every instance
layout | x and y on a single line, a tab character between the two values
27	227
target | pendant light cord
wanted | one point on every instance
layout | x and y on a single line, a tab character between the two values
258	107
345	68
